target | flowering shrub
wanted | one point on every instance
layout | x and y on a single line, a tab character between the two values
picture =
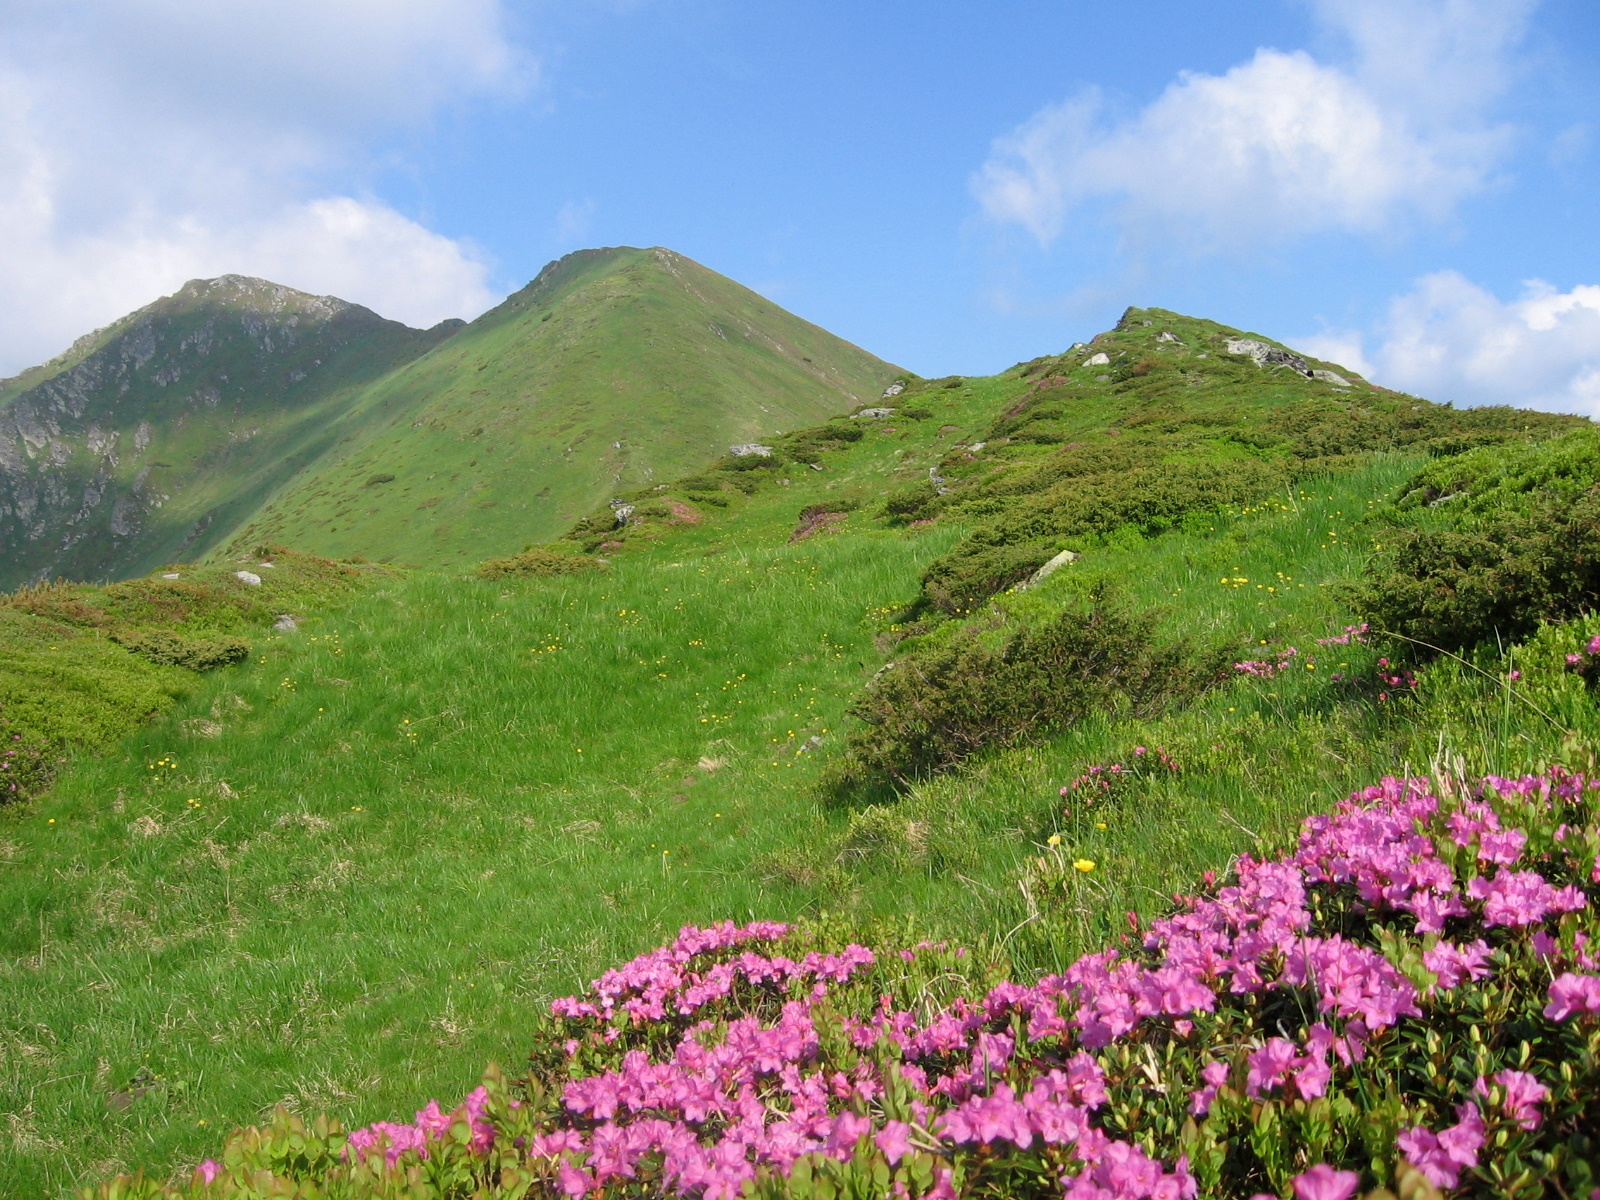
26	762
1109	780
1585	663
1266	668
1409	998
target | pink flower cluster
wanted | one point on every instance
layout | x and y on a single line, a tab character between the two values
713	1059
1266	668
1352	633
432	1122
1105	777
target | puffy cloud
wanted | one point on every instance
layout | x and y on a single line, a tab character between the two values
1450	339
145	142
1283	144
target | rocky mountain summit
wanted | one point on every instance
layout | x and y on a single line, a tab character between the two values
183	398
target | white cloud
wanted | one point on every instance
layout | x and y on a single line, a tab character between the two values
1450	339
1283	144
1344	347
145	142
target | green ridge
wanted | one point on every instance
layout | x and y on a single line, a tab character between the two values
612	370
238	411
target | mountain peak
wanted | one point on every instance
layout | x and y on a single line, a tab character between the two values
248	293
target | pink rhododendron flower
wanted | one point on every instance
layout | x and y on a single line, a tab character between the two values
1322	1182
1570	994
1443	1156
1521	898
1523	1095
894	1139
208	1170
1452	963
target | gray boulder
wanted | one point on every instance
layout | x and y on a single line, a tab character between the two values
894	389
872	414
1098	360
285	623
1265	355
1332	377
249	577
1049	569
1166	336
747	448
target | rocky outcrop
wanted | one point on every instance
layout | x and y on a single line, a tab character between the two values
1267	355
108	431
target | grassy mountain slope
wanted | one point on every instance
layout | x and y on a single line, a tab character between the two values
612	370
148	440
447	800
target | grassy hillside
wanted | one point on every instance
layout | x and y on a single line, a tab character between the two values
238	412
345	874
612	370
152	438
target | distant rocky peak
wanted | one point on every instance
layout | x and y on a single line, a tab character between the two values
257	295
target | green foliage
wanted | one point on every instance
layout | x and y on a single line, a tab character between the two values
168	649
81	666
1033	526
26	761
990	688
539	562
1488	546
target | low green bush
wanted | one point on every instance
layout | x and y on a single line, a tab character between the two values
992	687
83	665
27	762
539	562
1032	528
1450	589
1485	547
168	649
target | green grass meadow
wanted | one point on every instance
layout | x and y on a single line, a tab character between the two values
444	802
422	817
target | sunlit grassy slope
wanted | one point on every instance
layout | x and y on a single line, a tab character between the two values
445	801
612	370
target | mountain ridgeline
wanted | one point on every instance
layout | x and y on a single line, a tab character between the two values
238	411
150	438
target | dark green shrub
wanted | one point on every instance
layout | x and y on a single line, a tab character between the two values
916	414
993	687
168	649
376	479
1497	578
910	503
538	562
1487	545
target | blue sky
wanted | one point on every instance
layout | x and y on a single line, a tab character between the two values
1408	186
